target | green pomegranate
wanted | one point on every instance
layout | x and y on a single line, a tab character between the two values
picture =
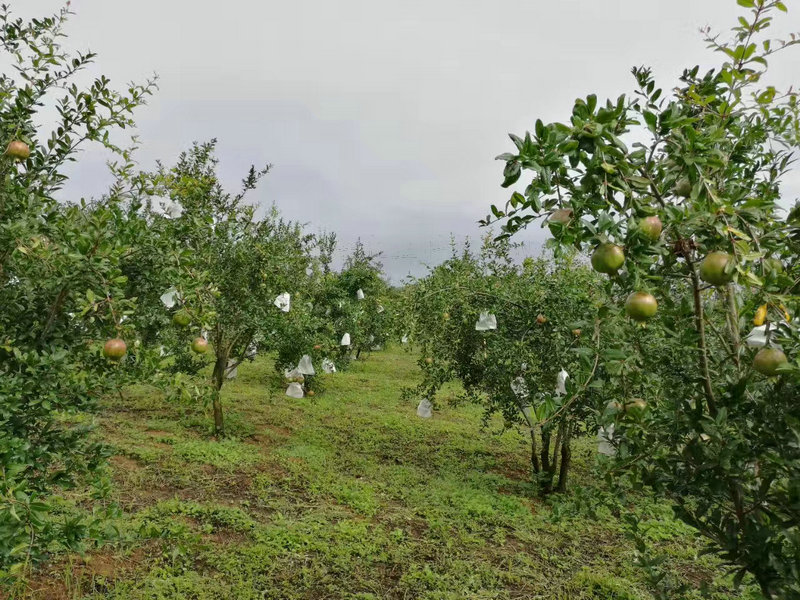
199	345
18	150
182	318
768	360
115	349
651	227
717	268
641	306
608	258
683	188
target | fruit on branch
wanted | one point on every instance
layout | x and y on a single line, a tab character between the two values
115	349
651	227
768	360
761	315
641	306
199	345
182	318
683	188
608	258
18	150
717	268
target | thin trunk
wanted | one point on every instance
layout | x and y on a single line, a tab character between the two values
566	460
545	453
220	367
700	325
219	425
526	413
547	470
557	448
534	454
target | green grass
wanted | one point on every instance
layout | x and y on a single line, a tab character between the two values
350	495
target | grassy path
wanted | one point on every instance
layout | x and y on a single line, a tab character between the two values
344	495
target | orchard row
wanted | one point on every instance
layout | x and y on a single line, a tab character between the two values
167	279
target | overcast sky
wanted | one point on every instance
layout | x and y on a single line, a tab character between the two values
382	119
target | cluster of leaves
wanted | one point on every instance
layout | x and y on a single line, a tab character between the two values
546	321
718	437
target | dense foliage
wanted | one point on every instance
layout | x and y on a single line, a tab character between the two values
63	286
704	164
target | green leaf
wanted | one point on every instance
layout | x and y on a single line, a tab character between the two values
511	173
651	119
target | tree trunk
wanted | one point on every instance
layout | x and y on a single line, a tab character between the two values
700	325
534	453
566	460
547	469
557	448
220	367
526	413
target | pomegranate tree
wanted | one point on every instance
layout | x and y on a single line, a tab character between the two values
676	192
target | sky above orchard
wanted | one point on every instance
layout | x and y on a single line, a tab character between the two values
381	119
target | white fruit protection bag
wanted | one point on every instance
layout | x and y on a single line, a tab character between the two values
561	382
170	297
166	206
604	437
295	390
284	301
232	372
486	321
305	366
425	409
